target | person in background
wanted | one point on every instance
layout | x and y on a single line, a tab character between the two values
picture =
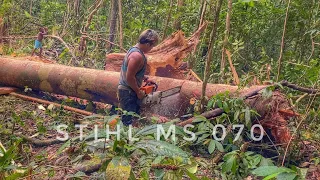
133	74
38	42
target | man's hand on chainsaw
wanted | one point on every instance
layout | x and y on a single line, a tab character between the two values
141	94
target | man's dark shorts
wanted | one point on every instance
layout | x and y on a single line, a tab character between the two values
130	102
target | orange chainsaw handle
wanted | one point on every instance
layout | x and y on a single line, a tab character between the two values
149	87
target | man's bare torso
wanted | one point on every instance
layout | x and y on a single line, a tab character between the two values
40	36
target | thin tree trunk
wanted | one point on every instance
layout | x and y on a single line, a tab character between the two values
210	51
167	21
82	46
113	23
30	11
282	41
177	22
120	25
203	12
225	41
1	29
76	7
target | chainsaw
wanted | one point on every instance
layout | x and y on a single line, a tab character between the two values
153	96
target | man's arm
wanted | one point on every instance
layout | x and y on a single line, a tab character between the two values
134	65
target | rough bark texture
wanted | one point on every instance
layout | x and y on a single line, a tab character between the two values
95	85
213	38
225	41
165	59
2	29
120	25
113	23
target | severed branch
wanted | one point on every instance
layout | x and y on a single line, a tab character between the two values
35	142
86	36
51	36
91	15
233	69
299	88
82	45
28	98
64	43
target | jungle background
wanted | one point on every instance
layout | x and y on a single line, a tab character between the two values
269	41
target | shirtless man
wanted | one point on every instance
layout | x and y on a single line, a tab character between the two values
38	41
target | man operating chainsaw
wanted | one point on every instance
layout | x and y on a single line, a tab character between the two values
133	74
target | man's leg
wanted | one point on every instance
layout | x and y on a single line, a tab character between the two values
40	52
128	102
33	51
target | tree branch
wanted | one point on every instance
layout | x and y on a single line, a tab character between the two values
299	88
282	40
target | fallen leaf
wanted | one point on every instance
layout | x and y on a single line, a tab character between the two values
35	135
50	107
41	107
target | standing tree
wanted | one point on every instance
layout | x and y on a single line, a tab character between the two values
213	36
225	41
113	24
120	25
202	12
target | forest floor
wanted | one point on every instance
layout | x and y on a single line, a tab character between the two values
56	161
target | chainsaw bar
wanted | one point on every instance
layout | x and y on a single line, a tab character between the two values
170	92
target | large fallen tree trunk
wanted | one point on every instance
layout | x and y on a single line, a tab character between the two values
98	85
90	84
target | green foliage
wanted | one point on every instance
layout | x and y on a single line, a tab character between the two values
118	168
161	148
5	7
8	170
238	165
50	13
179	167
281	173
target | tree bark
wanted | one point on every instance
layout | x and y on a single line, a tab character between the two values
120	25
76	7
225	41
210	51
203	12
3	29
98	85
30	8
113	23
